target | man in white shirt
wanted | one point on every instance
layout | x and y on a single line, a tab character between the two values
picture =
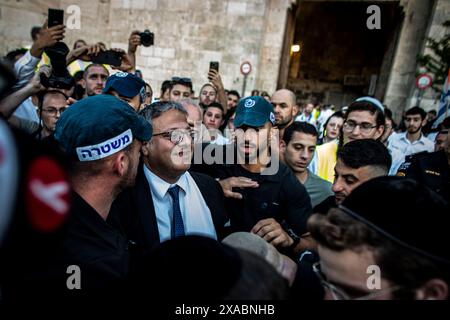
307	115
167	200
26	66
410	142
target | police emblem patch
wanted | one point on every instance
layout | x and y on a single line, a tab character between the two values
250	103
121	74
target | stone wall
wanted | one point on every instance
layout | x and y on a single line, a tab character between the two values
431	97
188	34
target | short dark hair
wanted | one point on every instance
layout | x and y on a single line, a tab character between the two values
79	75
433	112
41	96
156	109
78	41
166	85
11	56
416	110
215	105
235	93
86	71
187	82
367	106
365	152
302	127
34	32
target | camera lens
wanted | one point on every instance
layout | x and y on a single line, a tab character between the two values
147	38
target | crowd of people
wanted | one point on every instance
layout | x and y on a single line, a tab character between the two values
113	188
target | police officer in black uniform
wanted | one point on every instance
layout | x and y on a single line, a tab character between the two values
431	169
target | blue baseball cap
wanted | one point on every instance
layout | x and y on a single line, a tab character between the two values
100	126
126	84
254	112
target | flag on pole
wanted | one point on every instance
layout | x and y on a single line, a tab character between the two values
444	103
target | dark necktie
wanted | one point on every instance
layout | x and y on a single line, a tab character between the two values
177	222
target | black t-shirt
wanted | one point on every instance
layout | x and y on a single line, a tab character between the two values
280	196
95	244
90	243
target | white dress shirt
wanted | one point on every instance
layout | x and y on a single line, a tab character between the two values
196	215
399	146
25	68
27	110
303	118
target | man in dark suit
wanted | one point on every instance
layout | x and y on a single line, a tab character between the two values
167	201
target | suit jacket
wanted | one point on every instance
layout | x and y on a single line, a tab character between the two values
133	211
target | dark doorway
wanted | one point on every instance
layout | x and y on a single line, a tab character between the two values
340	58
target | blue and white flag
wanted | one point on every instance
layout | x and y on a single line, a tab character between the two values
444	103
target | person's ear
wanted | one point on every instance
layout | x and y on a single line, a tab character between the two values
424	122
283	146
83	83
434	289
295	110
379	132
145	148
35	100
121	163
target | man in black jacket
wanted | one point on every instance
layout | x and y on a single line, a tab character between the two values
167	200
262	195
430	169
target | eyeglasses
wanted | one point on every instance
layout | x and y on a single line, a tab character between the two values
340	294
176	136
54	111
365	127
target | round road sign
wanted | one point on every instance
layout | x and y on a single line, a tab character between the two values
246	68
424	81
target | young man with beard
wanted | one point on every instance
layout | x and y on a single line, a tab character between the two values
262	195
167	200
284	105
94	79
358	161
410	142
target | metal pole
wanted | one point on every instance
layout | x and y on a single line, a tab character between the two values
419	98
244	85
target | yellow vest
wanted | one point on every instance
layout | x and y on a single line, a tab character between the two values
327	158
78	65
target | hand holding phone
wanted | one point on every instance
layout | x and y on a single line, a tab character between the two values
214	65
110	57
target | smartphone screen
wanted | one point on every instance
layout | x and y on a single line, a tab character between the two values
55	17
214	65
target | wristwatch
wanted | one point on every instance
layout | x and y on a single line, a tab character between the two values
294	237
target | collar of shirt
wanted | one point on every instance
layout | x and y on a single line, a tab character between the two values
238	170
405	139
159	187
